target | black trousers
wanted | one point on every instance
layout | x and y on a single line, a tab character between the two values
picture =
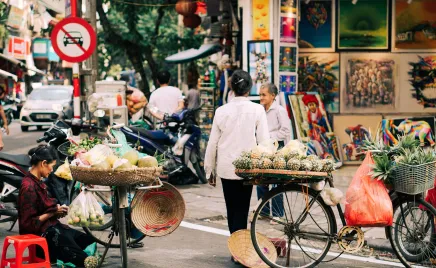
237	197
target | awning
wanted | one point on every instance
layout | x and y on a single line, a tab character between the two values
194	54
7	74
19	63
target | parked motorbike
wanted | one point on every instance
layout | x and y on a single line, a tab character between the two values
179	141
10	108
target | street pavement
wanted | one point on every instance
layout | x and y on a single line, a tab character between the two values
201	241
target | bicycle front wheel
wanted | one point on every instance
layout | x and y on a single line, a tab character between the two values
412	234
298	222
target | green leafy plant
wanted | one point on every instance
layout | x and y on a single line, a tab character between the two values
382	168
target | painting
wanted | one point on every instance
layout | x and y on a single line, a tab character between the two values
317	26
421	127
363	25
351	131
414	26
288	83
261	20
319	72
288	30
288	59
313	127
368	83
260	63
288	7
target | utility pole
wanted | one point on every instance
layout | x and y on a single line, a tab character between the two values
91	65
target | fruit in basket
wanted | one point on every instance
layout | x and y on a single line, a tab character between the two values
111	159
328	165
266	163
293	164
132	156
242	163
256	154
148	161
306	165
317	165
102	165
121	164
255	163
279	163
246	154
76	220
312	157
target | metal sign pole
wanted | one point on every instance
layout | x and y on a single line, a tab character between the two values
76	74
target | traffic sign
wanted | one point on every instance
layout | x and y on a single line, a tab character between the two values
73	39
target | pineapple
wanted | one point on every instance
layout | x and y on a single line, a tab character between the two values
312	157
306	165
255	163
270	156
242	163
246	154
279	163
293	164
293	154
328	165
317	165
91	262
255	154
266	163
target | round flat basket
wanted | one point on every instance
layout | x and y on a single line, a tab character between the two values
242	249
158	212
110	177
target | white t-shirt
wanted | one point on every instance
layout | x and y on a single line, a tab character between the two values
166	99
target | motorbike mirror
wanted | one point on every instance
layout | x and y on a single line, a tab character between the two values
99	113
57	107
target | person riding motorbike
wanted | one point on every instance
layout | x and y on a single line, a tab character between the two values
3	116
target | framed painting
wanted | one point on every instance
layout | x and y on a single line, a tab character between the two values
319	72
317	26
413	26
260	63
288	29
423	128
363	25
261	20
313	127
288	82
288	7
351	131
369	83
288	59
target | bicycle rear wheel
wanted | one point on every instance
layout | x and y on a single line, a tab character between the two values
298	222
412	234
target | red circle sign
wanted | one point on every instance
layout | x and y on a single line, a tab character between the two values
73	39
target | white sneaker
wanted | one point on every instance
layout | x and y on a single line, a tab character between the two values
275	219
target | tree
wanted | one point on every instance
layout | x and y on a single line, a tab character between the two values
145	33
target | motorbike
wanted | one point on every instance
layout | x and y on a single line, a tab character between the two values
10	108
178	141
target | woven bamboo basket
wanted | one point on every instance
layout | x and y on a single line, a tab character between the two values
280	174
158	212
110	177
242	249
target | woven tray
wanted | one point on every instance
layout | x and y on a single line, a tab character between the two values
109	177
158	212
280	174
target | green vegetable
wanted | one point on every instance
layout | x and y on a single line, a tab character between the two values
86	144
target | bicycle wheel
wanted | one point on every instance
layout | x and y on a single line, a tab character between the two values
298	222
412	234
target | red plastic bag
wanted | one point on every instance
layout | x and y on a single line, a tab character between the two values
431	196
367	200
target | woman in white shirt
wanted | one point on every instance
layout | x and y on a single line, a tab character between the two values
238	126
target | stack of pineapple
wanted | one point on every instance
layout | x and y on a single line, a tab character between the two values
283	160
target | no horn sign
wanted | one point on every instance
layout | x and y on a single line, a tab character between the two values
73	39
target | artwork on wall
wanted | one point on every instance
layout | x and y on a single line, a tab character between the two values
363	25
288	59
260	63
288	7
368	83
421	127
288	83
414	26
317	26
352	130
261	20
288	30
312	125
319	72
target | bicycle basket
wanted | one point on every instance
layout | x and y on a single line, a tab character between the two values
414	179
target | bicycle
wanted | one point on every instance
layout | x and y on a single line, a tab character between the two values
305	229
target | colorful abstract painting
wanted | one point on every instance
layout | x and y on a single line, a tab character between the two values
313	127
288	7
414	26
261	20
288	30
260	63
369	83
316	27
319	72
363	25
288	59
421	127
288	83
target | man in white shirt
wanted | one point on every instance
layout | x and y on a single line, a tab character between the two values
166	99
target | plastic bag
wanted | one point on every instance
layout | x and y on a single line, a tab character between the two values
332	196
85	211
367	200
98	154
64	171
297	146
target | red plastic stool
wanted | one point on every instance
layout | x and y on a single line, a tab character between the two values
21	242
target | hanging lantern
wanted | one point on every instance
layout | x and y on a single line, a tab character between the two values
186	7
192	21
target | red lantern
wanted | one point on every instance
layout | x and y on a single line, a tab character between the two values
186	7
192	21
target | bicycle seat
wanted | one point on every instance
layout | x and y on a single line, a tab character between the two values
151	134
22	160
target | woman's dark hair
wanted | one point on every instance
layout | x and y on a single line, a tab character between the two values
41	153
272	89
163	77
241	82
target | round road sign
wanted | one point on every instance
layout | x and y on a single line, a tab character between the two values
73	39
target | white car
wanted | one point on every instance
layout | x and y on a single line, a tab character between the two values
38	109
